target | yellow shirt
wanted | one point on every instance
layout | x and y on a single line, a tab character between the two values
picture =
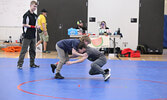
41	20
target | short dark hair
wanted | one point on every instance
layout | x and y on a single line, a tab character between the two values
44	10
33	2
85	38
82	45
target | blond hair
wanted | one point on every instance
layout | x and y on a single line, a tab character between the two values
85	38
33	2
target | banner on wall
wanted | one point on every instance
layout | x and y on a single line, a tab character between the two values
100	42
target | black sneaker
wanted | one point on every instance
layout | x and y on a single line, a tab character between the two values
107	71
106	76
34	66
58	76
47	51
19	67
43	51
53	66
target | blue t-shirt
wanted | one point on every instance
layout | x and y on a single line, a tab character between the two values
68	44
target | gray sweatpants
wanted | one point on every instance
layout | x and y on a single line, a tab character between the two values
63	58
27	43
96	66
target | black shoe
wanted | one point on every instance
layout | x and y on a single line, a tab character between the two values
107	74
47	51
44	51
34	66
107	71
19	67
53	66
58	76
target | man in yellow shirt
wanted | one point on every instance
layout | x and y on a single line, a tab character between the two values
44	37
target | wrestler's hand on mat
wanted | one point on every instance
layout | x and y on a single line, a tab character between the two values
69	62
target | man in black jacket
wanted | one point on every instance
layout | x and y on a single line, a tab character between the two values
29	30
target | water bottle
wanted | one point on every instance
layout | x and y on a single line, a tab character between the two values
10	39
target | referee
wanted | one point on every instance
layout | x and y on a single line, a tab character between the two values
29	30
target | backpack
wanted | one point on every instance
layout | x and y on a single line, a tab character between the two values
143	49
130	53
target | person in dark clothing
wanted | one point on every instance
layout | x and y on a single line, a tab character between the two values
64	47
29	30
80	27
98	59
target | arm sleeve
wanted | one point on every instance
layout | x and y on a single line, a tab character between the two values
88	50
25	19
38	21
88	53
75	44
43	20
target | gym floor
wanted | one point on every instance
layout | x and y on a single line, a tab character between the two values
131	79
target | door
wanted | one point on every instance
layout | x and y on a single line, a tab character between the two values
151	23
62	15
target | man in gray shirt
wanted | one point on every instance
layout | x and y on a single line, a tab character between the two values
98	59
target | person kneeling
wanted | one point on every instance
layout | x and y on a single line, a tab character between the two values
98	59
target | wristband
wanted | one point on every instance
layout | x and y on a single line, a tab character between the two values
31	26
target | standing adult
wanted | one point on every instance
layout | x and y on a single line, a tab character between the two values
44	37
29	30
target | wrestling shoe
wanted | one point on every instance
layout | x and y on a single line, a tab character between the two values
34	66
53	66
58	76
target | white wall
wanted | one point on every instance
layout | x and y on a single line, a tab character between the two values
165	7
117	14
5	32
11	18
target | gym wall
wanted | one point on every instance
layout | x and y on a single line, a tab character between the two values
11	18
62	15
117	14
